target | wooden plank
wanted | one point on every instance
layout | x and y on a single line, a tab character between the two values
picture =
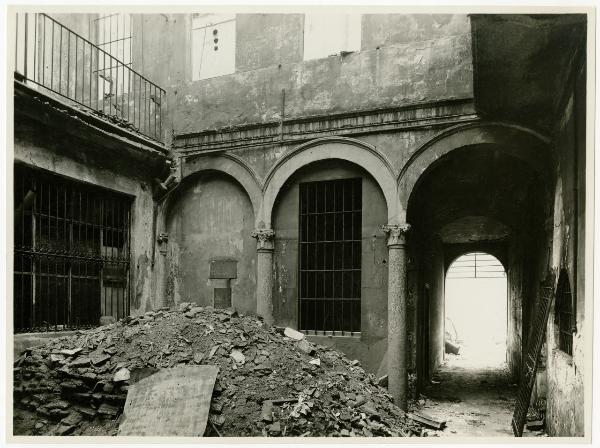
171	402
427	420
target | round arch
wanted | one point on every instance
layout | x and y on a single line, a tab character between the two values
517	141
351	150
496	250
232	166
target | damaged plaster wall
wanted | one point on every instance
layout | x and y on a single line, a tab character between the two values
565	394
211	218
431	62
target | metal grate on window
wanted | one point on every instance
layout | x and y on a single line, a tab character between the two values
330	256
476	265
564	314
71	253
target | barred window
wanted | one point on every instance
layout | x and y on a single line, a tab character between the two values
330	256
71	252
564	315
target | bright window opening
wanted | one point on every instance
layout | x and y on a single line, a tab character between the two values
213	45
329	34
476	309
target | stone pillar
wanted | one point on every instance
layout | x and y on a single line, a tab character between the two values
161	271
397	294
264	273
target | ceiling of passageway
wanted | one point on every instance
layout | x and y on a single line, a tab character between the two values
521	63
476	193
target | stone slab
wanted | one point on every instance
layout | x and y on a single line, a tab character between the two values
171	402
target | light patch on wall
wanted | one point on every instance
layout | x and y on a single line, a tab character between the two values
213	45
330	34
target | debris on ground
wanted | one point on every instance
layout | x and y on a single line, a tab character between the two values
271	381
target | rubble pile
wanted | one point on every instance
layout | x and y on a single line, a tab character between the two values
271	381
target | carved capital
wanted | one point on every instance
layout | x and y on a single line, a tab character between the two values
396	233
264	239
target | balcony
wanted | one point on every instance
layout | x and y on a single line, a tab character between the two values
60	63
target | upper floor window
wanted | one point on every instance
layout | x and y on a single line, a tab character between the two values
564	315
329	34
113	33
114	36
213	45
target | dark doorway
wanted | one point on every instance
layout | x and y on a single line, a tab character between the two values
330	256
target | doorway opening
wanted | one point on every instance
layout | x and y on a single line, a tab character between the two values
476	311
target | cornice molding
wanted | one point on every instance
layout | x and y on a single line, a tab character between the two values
293	131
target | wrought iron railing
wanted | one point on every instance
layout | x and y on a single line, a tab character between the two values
52	58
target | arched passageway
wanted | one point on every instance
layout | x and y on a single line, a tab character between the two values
483	198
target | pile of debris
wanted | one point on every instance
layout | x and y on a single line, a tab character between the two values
271	381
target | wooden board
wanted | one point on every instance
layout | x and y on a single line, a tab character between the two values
534	346
171	402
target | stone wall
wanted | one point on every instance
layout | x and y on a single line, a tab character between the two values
565	394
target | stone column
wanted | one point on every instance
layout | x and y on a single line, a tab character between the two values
161	270
397	294
264	273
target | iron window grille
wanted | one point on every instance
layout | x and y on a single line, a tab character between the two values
330	256
564	315
71	253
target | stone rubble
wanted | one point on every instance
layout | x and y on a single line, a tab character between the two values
271	382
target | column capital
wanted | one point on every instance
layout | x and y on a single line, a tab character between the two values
396	233
264	239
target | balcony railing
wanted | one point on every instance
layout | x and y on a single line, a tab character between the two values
53	59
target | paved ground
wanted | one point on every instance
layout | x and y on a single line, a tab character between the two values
474	394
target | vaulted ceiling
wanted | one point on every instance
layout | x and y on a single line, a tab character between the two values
521	65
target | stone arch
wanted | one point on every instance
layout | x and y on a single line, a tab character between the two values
515	140
351	150
232	166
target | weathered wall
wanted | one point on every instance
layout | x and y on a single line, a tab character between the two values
370	348
268	40
380	30
211	217
398	75
565	395
431	62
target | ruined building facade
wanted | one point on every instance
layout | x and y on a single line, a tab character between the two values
239	160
